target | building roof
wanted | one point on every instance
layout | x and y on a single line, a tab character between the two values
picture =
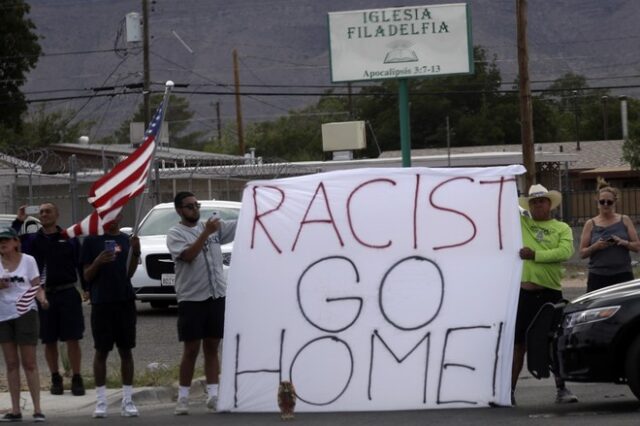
592	154
162	153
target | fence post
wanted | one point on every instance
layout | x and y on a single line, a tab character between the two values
73	187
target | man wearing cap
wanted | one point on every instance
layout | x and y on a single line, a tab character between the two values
58	262
547	243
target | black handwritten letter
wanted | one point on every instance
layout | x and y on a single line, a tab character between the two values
437	287
327	263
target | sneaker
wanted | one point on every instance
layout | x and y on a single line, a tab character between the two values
129	409
77	386
39	418
56	384
564	396
212	403
10	417
101	410
182	407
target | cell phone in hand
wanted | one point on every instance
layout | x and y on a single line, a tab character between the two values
611	240
215	215
110	246
31	210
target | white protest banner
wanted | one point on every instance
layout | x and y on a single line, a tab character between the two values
374	289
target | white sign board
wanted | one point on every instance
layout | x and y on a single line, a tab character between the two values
374	289
400	42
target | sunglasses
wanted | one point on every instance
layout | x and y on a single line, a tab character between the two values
607	202
192	206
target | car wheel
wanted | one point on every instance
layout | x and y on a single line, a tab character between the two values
159	305
632	367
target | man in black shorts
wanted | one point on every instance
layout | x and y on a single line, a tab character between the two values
58	261
200	289
113	309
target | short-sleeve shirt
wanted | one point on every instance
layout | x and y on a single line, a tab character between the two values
19	288
203	277
112	282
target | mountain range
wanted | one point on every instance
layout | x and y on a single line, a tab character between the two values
283	51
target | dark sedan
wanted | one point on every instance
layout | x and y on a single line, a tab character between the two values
594	338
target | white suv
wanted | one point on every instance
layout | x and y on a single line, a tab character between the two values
154	279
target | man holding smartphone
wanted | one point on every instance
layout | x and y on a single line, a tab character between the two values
113	309
200	289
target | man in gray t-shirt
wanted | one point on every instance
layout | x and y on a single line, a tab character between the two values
200	290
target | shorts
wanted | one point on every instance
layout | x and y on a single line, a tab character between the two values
22	330
64	320
529	304
198	320
114	324
596	282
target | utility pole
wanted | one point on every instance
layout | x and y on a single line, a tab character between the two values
219	122
526	110
576	114
236	79
145	63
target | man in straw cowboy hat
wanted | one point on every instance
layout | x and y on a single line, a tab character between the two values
547	243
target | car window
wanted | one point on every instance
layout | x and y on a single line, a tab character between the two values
159	221
5	222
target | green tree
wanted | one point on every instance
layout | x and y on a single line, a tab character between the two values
19	52
41	128
298	136
178	116
468	101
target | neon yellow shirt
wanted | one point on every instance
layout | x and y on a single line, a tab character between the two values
552	242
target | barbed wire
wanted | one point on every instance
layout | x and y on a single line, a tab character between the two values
54	164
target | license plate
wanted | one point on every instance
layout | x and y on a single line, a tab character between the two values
168	279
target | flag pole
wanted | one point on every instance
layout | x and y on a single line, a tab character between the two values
165	102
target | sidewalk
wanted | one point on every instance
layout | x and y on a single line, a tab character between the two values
68	404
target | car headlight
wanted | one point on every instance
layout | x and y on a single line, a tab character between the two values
590	315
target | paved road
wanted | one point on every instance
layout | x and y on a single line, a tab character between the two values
606	404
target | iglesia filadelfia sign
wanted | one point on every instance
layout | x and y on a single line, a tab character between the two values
400	42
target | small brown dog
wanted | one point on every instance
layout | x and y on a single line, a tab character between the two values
286	400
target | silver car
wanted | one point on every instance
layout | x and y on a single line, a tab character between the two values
154	279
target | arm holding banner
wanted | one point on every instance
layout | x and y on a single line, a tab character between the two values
561	253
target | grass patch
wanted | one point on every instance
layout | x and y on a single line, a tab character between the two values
155	374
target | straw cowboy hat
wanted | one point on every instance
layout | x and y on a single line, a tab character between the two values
539	191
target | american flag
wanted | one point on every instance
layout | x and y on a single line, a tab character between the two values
124	182
23	304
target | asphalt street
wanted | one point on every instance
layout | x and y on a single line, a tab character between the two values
600	404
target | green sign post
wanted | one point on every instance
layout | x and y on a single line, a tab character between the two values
401	43
405	126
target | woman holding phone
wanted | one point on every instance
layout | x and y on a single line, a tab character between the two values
607	240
